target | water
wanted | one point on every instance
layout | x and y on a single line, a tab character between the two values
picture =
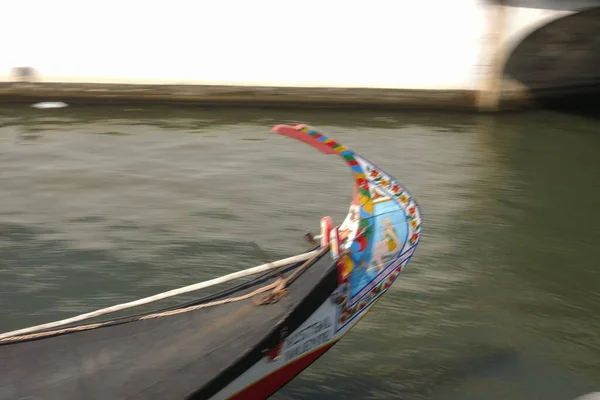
501	300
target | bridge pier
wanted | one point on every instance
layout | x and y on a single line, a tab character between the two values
490	87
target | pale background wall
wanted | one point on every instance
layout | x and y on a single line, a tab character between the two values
425	44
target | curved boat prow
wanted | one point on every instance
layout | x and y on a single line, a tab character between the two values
380	233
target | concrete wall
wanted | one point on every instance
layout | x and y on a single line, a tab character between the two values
431	44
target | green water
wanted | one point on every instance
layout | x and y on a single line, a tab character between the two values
501	300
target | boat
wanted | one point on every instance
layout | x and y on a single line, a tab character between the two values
243	342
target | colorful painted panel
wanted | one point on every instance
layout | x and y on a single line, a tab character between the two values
380	232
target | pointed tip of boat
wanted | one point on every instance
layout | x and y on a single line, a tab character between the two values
307	134
281	128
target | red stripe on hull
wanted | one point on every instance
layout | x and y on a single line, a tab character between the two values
272	383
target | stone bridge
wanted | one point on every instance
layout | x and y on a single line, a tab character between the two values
434	53
544	50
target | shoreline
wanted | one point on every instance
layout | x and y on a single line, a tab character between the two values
512	98
217	95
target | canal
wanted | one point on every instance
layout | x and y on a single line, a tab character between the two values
501	300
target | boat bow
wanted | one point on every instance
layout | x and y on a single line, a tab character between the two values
380	232
227	346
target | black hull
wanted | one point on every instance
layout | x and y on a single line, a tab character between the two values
189	355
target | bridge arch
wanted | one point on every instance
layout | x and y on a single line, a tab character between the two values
558	64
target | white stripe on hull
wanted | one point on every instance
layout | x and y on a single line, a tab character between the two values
320	329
